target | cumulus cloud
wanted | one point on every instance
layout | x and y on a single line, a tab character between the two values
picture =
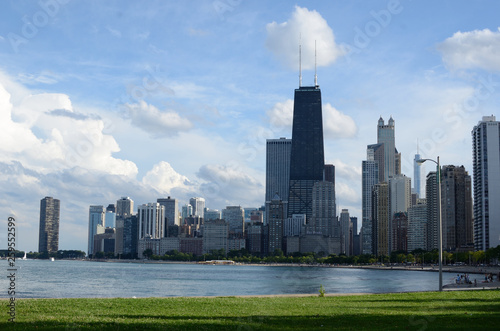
346	193
227	184
281	115
22	188
473	49
335	123
157	123
43	133
283	39
345	171
164	178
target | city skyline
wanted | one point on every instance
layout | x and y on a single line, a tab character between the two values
181	100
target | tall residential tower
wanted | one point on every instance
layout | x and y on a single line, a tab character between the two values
486	174
48	236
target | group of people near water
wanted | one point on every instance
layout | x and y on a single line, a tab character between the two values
488	278
464	279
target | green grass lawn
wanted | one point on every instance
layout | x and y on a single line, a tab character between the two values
464	310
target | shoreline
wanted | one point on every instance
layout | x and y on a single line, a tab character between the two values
428	268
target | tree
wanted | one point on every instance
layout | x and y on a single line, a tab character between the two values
147	253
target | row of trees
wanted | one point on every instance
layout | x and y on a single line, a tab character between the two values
418	256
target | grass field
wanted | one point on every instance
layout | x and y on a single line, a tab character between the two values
457	310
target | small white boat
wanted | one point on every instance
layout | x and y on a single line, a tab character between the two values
52	259
24	257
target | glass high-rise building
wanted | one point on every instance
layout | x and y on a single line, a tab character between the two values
171	211
486	178
48	236
96	219
277	171
307	160
124	207
416	175
198	206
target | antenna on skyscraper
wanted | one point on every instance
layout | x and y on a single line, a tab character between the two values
418	152
315	75
300	60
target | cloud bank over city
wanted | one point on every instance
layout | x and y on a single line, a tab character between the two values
164	99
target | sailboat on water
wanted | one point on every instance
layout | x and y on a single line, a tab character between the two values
24	257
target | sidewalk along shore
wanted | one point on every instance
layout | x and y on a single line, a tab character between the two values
495	285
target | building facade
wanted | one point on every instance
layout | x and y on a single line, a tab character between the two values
486	173
48	235
96	218
277	169
417	226
172	215
456	203
124	207
235	219
151	218
307	153
198	205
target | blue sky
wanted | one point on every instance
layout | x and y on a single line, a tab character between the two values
148	99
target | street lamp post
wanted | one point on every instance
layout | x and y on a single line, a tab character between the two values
440	228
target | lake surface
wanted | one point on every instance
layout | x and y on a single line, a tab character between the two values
85	279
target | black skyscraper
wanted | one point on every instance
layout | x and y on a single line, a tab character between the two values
307	157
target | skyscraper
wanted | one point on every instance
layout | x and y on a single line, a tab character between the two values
277	170
486	173
431	193
278	167
96	218
323	206
370	177
307	155
198	206
171	211
48	236
345	233
276	223
124	207
416	176
380	228
151	220
456	202
386	136
235	219
417	226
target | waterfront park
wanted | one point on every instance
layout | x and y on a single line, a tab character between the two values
469	309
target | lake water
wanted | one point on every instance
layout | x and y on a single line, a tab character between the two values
84	279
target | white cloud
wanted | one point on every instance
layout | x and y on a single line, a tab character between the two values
281	115
283	40
346	194
473	49
346	171
335	123
157	123
114	32
228	184
43	133
164	178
